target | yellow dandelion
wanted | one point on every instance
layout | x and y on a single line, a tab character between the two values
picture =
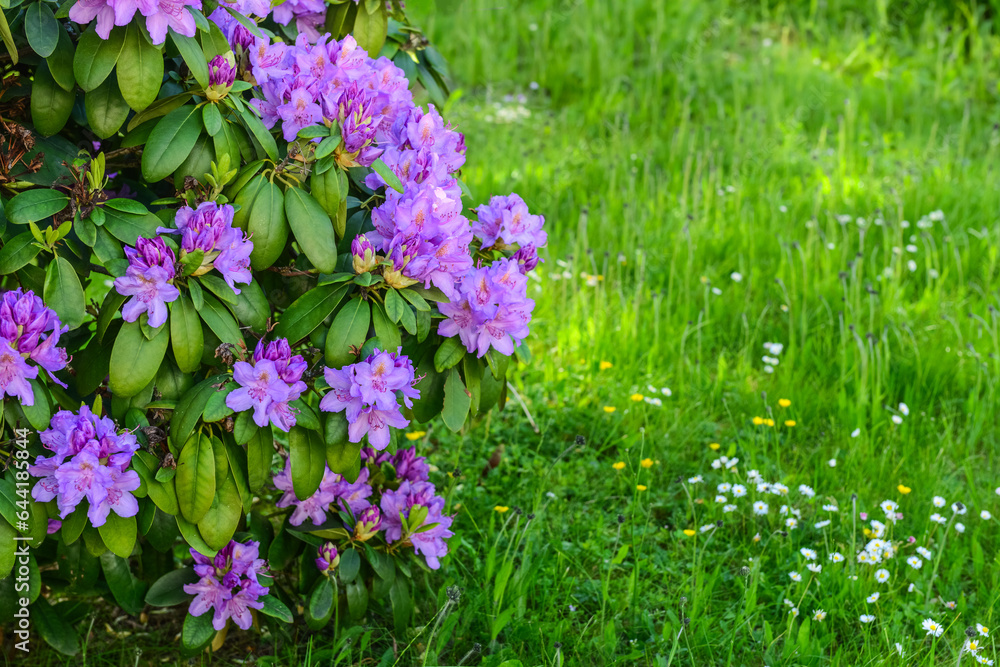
620	465
501	508
415	435
647	463
714	446
784	402
757	421
789	422
636	397
768	422
903	489
605	365
869	533
689	532
641	487
609	409
600	278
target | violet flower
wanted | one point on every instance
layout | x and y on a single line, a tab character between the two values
29	332
400	503
209	228
228	584
147	281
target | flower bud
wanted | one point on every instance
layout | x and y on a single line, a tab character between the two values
368	524
364	255
527	258
400	258
328	559
221	76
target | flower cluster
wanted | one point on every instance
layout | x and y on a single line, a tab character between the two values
90	460
228	584
405	462
269	384
329	81
308	15
492	308
236	33
148	281
506	221
428	536
367	391
159	14
209	228
29	331
333	490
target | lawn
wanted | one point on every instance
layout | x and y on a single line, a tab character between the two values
766	336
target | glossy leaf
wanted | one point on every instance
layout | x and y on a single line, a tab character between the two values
51	104
308	457
135	359
312	228
170	142
195	480
142	75
308	311
186	337
349	329
96	57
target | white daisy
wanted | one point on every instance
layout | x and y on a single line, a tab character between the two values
819	615
873	598
739	490
915	562
985	515
808	554
836	557
795	576
866	618
939	501
882	575
814	567
932	627
760	508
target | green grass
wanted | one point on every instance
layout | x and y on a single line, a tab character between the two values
670	145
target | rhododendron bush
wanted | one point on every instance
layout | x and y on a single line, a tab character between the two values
237	261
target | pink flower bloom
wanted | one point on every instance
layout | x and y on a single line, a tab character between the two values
15	373
260	386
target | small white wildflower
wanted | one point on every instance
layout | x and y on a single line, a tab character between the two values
795	576
791	523
736	276
836	557
882	576
896	419
866	618
960	528
729	508
833	463
856	432
819	615
830	507
904	409
873	598
915	562
939	501
697	479
806	491
760	508
820	525
814	567
985	515
739	490
808	554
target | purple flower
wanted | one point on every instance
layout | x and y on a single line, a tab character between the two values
328	559
147	281
368	392
15	373
349	495
409	466
398	506
307	14
228	584
173	14
507	219
209	228
298	112
315	506
369	523
363	253
90	460
221	73
108	13
32	332
527	258
260	387
493	310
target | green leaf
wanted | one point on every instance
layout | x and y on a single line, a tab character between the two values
245	22
168	590
349	329
63	292
370	31
189	533
472	372
267	225
314	131
308	458
106	109
394	305
256	128
275	608
220	522
96	57
321	599
260	451
61	62
142	75
220	320
126	589
41	28
326	188
386	331
341	453
158	109
170	142
51	626
186	335
40	413
35	205
17	252
195	480
417	301
135	360
127	227
216	408
402	605
357	590
8	38
387	174
312	228
450	353
51	104
197	632
252	307
456	402
212	118
350	565
219	288
308	312
194	57
189	411
119	534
